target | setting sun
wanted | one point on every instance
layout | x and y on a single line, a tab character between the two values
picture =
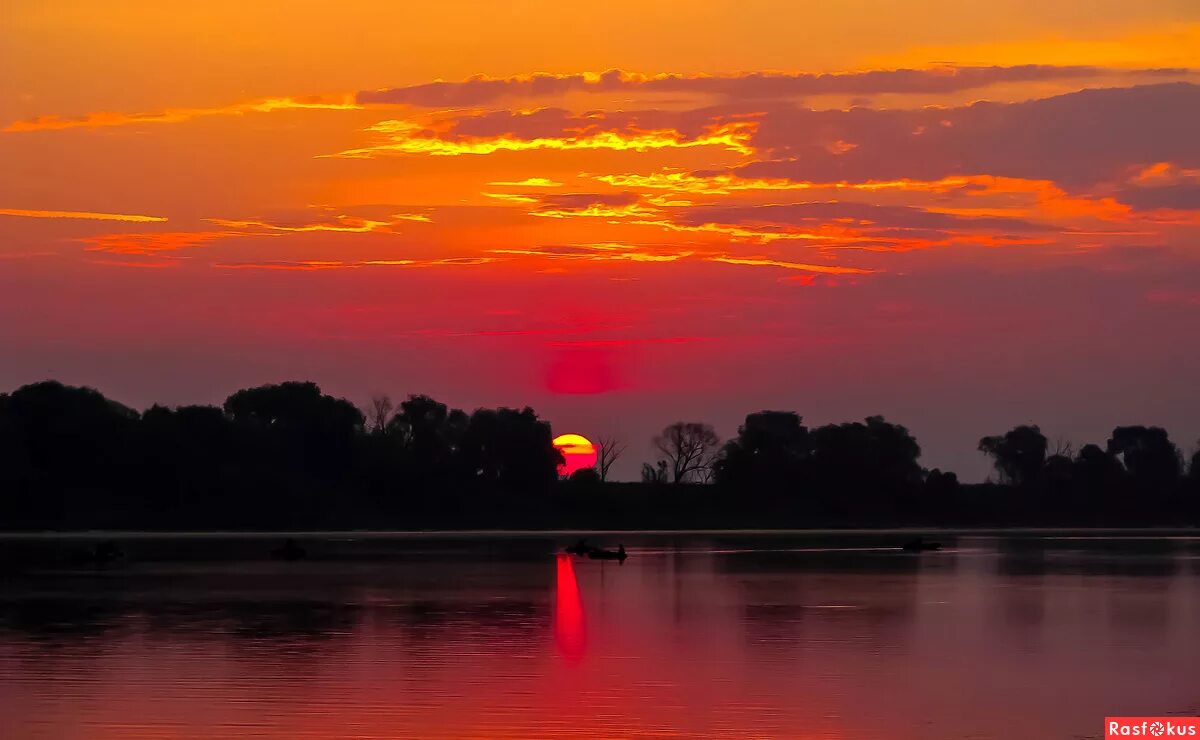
577	451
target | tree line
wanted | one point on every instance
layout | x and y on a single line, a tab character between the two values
289	456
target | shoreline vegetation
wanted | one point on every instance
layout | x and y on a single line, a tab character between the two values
288	458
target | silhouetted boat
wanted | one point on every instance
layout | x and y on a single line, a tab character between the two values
598	554
920	545
579	548
289	551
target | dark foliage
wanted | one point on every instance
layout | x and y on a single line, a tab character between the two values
288	456
1019	454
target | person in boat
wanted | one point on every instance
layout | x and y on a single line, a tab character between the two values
598	554
579	548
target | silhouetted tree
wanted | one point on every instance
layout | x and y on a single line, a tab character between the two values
687	448
768	453
428	435
1019	455
379	414
611	449
67	433
289	456
1062	448
509	448
1148	454
869	462
656	473
314	431
1096	470
585	478
64	449
941	483
1059	471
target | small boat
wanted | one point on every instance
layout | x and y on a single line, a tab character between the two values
920	545
599	554
580	548
289	551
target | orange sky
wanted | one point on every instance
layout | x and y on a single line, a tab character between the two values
961	215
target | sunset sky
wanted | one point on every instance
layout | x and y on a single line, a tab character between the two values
962	216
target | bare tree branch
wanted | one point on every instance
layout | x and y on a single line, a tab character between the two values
688	449
611	449
379	414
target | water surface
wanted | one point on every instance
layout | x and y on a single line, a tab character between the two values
803	635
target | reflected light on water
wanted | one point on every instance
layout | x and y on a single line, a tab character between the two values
570	633
811	636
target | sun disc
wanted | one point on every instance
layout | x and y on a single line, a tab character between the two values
578	452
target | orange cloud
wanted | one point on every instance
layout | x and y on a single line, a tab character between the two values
1046	199
161	264
177	115
530	182
941	78
152	243
511	197
309	265
405	137
595	211
762	235
337	223
597	253
88	215
1163	173
723	184
763	262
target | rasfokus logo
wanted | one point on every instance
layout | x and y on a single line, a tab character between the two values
1117	727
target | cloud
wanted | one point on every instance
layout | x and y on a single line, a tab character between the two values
146	264
865	216
152	243
1077	140
594	205
482	90
312	265
1163	186
106	119
477	91
511	197
530	182
604	252
86	215
959	194
764	262
548	129
359	220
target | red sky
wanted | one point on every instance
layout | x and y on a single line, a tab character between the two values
963	216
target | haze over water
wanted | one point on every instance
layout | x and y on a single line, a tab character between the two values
812	636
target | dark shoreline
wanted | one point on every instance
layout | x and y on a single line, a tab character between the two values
1155	531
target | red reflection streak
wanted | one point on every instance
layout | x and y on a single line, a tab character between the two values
569	632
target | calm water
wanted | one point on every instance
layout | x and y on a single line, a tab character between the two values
808	636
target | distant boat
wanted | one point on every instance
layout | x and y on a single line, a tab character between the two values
598	554
920	545
289	551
